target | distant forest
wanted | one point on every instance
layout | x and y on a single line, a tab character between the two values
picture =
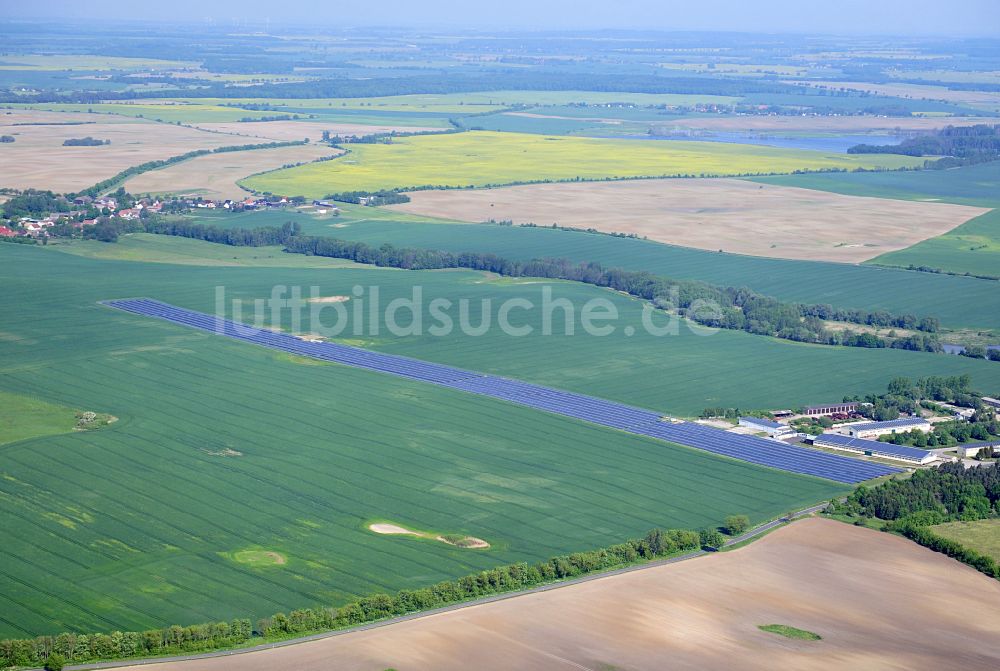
958	145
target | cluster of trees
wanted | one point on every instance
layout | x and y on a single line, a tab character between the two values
960	145
383	197
903	395
84	142
34	203
238	237
274	117
932	496
733	413
202	637
983	426
949	491
980	352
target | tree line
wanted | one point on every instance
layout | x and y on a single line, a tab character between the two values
106	184
76	648
958	145
911	507
740	308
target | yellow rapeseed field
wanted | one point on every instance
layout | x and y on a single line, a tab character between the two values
482	158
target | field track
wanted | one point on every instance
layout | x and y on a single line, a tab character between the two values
597	411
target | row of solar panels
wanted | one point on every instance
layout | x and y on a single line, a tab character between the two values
595	410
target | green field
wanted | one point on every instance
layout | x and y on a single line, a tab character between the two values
982	535
973	247
23	417
183	251
225	452
166	111
968	185
482	158
957	301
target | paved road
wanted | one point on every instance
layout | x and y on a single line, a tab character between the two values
752	533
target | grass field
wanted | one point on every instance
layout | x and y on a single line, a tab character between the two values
982	535
225	451
23	417
973	247
482	158
957	301
151	248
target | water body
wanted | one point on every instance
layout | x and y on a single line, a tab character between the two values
837	144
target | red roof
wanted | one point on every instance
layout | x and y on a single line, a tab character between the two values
7	233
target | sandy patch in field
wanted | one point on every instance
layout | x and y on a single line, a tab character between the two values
466	542
878	601
391	529
37	159
215	176
298	130
728	214
329	299
820	124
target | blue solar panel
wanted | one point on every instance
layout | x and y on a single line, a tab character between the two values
792	458
872	446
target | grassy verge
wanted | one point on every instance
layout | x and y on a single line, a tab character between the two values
790	632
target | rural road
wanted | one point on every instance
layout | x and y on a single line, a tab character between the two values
753	533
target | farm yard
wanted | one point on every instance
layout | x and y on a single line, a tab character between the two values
489	158
701	613
741	216
209	462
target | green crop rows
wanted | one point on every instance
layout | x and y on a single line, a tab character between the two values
223	448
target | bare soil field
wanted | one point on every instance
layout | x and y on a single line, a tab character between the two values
729	214
38	159
822	124
215	176
878	602
298	130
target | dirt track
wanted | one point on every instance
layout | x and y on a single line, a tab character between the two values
877	600
729	214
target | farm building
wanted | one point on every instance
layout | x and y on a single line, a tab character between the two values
866	430
873	448
773	429
830	408
972	449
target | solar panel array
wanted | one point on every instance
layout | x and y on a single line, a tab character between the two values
889	424
872	445
639	421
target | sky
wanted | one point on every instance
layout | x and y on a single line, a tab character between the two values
896	17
